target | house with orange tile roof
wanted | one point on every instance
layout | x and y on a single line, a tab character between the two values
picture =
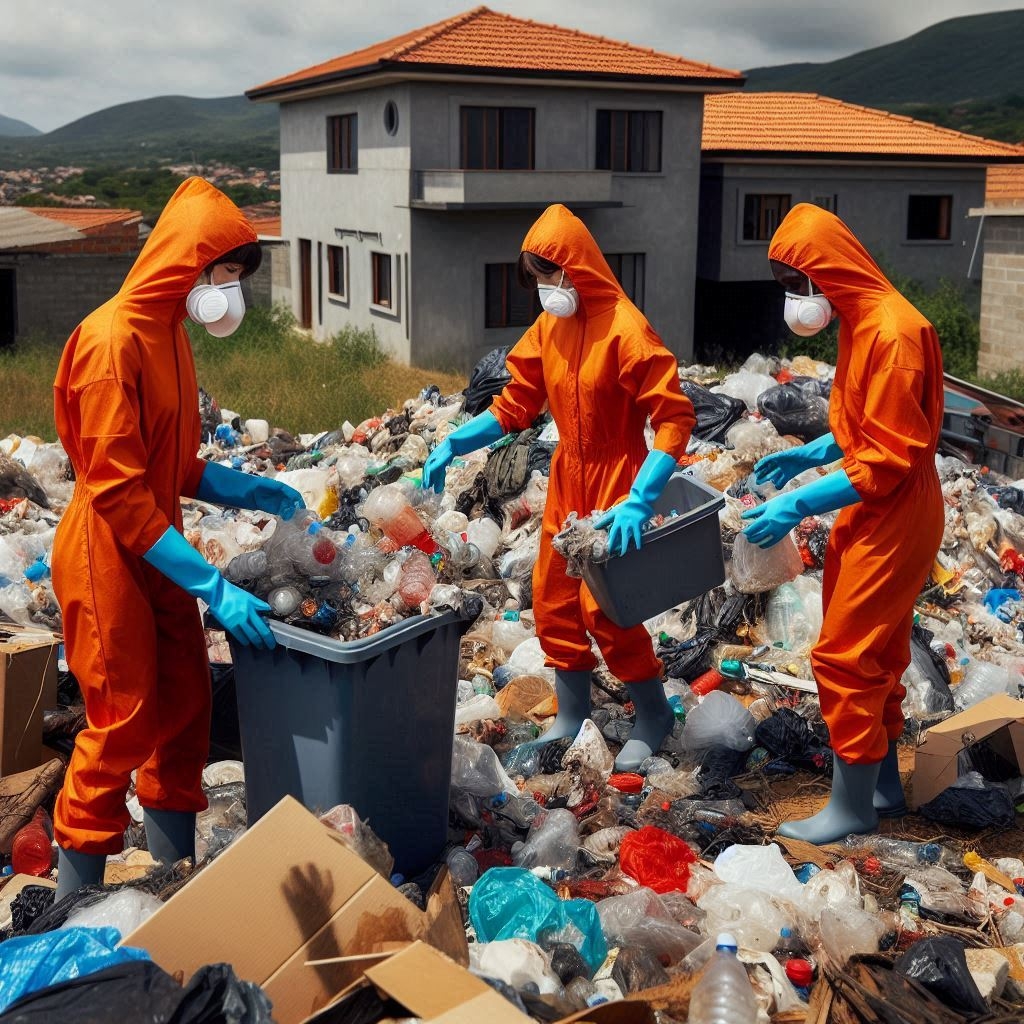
411	171
1001	228
905	188
57	265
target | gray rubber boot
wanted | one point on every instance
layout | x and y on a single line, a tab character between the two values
75	869
654	721
573	692
170	835
890	801
850	808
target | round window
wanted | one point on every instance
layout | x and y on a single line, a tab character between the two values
390	117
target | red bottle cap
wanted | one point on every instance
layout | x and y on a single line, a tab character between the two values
666	806
800	972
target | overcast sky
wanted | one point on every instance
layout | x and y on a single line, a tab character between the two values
62	60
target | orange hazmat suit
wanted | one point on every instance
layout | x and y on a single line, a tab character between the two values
127	412
886	413
603	372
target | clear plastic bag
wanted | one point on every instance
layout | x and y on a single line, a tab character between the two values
755	570
720	720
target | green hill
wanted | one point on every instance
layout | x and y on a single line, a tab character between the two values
12	126
158	131
964	73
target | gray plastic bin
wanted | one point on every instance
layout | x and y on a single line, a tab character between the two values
677	561
368	723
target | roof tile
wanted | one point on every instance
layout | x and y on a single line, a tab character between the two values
86	219
1004	185
487	40
796	122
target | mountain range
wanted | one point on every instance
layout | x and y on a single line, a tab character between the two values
963	73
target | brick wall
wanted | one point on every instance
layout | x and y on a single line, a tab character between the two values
1002	296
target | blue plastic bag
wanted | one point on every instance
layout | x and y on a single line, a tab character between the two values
33	962
512	903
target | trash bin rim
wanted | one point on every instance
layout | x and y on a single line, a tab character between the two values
351	652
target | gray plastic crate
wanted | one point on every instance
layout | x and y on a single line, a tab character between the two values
677	561
368	723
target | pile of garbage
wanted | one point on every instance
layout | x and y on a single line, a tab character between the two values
580	884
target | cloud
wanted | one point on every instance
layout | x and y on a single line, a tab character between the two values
63	63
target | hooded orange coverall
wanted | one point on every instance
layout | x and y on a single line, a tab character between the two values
886	413
603	371
127	412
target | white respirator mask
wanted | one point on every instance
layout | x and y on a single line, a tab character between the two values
559	301
218	307
806	315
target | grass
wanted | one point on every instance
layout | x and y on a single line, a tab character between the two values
266	370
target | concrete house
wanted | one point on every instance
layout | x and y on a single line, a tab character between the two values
412	170
904	187
1001	227
57	265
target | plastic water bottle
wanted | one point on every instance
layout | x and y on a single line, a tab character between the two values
723	994
417	579
786	621
462	866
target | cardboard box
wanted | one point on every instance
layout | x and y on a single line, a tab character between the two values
935	760
285	892
28	686
437	990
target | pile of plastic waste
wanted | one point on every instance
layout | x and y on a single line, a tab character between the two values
584	885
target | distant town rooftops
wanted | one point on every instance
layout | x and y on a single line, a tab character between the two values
57	229
487	42
752	124
265	219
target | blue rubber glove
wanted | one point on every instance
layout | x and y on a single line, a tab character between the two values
237	610
775	518
780	467
479	432
625	522
226	486
995	599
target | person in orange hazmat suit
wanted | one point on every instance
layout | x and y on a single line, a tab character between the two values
594	358
127	412
885	412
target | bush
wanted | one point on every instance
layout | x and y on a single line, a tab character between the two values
946	309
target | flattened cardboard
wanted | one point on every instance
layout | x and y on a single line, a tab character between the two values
436	990
935	760
28	686
285	892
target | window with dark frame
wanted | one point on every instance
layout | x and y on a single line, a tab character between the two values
337	272
827	202
929	218
628	268
496	138
342	144
380	263
507	303
762	214
628	141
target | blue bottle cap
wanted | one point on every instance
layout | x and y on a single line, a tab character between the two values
397	879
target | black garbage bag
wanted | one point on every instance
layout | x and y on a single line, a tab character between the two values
567	961
717	767
970	807
636	969
788	736
137	990
796	408
933	667
939	964
216	995
1008	497
488	379
715	413
687	659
